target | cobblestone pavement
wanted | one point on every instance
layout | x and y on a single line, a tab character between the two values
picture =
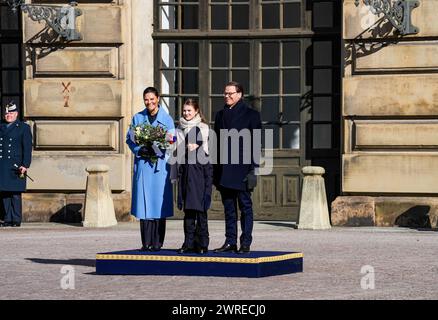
405	264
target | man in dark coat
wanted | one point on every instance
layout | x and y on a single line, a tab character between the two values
234	175
15	158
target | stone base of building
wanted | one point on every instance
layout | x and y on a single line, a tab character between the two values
411	212
68	208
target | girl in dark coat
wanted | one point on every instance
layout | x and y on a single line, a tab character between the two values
195	178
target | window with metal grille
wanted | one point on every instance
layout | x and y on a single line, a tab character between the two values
11	66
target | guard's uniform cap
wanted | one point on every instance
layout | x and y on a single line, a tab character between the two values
11	107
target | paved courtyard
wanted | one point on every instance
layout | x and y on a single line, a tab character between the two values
402	262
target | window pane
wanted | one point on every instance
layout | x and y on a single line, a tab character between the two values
219	17
270	109
322	81
216	105
10	56
291	81
270	81
291	136
168	16
322	53
240	55
240	17
190	81
169	82
291	108
11	82
291	54
242	76
271	16
189	17
190	54
219	55
322	136
172	105
291	15
218	81
322	109
270	54
276	136
168	55
323	15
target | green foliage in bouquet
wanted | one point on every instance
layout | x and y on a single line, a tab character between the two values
147	135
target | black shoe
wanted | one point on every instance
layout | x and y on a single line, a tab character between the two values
15	224
5	224
202	250
144	248
185	249
244	249
154	248
226	248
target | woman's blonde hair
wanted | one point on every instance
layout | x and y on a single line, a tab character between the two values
195	105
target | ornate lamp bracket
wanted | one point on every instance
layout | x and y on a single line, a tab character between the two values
397	12
62	19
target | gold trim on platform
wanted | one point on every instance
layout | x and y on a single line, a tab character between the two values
197	259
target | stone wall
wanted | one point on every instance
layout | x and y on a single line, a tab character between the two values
411	212
79	98
389	117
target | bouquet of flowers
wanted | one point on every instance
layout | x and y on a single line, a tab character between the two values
151	137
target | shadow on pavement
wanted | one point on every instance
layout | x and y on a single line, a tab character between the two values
281	224
73	262
71	224
423	229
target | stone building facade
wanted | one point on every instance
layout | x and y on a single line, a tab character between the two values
79	97
389	117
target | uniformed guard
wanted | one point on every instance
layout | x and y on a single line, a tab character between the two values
15	158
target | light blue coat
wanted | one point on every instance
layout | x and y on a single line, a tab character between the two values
152	196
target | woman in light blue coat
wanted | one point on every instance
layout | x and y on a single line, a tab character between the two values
152	197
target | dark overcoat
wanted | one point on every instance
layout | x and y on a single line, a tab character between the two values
195	180
15	149
227	174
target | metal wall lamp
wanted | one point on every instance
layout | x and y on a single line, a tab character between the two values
398	12
62	19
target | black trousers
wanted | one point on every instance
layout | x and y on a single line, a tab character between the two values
196	229
10	206
230	199
152	232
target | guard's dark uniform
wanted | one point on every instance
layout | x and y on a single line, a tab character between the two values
15	150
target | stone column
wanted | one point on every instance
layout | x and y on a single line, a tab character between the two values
313	210
99	206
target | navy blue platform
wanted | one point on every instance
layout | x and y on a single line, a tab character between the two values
168	262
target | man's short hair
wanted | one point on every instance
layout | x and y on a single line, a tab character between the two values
239	87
